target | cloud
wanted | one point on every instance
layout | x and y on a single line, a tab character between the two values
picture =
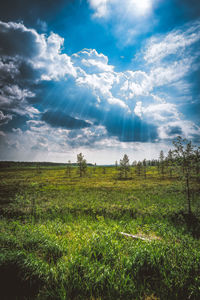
4	119
138	109
100	7
60	119
42	142
57	65
132	8
187	129
11	96
27	58
61	102
91	61
12	34
130	129
21	45
127	19
42	25
174	43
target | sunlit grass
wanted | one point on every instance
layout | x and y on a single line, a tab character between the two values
60	236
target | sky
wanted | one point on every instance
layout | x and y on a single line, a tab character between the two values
101	77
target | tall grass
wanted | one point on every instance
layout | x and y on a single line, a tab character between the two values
60	236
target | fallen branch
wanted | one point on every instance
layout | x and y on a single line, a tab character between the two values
136	236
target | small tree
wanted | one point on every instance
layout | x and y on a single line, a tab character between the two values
82	165
169	160
185	162
116	164
145	168
94	168
197	162
38	168
124	167
104	170
133	165
162	163
139	168
69	168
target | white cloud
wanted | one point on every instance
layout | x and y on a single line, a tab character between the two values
139	8
138	109
55	64
103	8
115	101
187	129
170	73
91	61
96	74
173	43
161	112
135	84
100	7
43	52
127	19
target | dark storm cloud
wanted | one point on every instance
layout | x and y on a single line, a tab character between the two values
18	46
23	61
130	129
15	121
59	119
16	39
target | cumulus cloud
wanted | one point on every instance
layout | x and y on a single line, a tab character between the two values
81	100
12	34
91	61
27	58
21	45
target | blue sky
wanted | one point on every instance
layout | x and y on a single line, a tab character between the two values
102	77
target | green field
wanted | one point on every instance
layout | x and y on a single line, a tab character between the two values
60	236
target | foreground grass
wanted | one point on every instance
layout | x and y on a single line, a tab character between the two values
60	237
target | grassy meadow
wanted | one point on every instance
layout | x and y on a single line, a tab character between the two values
61	238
